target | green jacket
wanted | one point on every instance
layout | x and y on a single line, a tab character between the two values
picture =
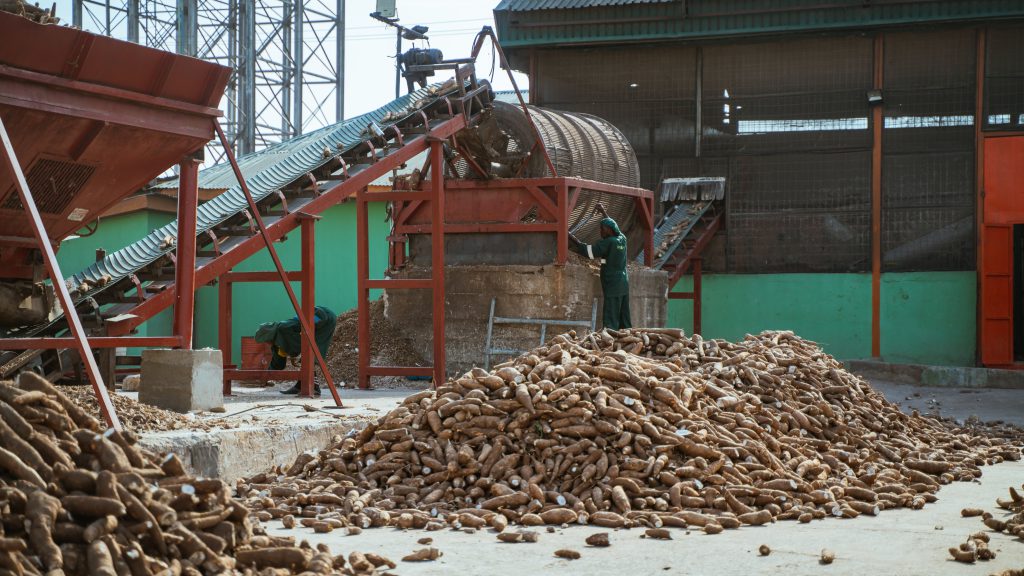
287	334
612	252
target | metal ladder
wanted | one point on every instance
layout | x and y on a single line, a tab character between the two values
543	322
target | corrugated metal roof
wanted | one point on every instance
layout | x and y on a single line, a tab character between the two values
524	5
696	19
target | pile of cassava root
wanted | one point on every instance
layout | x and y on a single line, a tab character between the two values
77	500
640	427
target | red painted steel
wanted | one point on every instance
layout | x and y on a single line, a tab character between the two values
308	258
362	288
997	296
91	104
1003	208
185	253
94	342
330	197
877	125
437	255
307	331
224	320
57	278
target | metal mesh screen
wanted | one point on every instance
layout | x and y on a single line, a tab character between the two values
1004	79
928	152
790	118
647	92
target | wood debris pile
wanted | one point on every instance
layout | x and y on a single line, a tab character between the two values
643	428
77	500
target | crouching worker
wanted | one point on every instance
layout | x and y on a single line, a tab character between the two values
611	250
285	339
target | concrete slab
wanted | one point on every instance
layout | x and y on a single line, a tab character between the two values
903	542
938	376
181	380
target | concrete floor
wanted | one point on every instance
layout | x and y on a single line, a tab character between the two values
898	542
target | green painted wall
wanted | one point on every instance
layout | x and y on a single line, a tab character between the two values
927	317
114	233
255	303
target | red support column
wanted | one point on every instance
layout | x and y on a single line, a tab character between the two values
877	126
562	203
224	306
308	305
185	261
53	269
362	291
696	295
437	257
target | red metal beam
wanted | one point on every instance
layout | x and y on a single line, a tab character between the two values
262	375
330	197
185	253
94	342
483	228
437	254
399	284
308	258
57	278
307	331
363	288
232	277
564	209
224	320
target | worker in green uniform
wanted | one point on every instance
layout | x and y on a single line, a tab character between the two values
611	250
285	339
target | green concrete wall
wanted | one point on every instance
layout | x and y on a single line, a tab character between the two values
255	303
927	317
114	233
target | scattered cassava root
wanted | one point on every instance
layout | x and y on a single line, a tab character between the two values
976	547
636	428
93	502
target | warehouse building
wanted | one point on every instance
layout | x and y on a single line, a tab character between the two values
866	206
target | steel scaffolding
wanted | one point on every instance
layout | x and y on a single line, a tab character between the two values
287	57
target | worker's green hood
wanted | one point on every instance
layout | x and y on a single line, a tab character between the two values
611	224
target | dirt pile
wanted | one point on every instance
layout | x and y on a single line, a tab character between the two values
389	346
77	500
639	427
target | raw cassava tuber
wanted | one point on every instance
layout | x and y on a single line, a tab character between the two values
140	515
644	428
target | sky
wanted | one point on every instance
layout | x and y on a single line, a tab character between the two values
370	45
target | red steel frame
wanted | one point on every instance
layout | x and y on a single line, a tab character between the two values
555	198
435	196
307	278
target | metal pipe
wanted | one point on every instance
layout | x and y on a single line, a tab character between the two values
287	70
133	21
878	125
307	331
308	258
185	259
76	14
57	278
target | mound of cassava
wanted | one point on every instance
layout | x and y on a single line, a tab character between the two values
636	428
77	500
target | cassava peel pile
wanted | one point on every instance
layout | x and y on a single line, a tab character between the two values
77	500
637	428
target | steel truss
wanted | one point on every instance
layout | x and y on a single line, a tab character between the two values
287	57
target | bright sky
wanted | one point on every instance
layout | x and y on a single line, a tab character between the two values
370	45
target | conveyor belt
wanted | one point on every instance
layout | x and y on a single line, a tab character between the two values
267	172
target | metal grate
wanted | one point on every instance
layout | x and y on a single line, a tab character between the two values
53	184
1004	79
928	151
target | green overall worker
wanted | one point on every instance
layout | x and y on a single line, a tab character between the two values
611	249
285	339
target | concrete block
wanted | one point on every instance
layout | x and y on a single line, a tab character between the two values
182	380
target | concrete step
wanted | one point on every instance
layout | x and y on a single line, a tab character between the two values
938	376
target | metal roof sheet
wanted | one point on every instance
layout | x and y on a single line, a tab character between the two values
525	5
582	21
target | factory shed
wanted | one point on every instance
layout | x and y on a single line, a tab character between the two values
872	151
